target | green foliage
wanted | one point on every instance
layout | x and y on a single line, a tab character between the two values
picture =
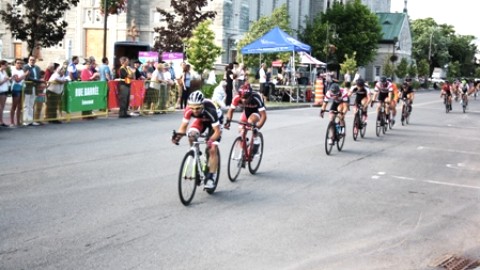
201	49
477	72
351	28
113	6
443	45
423	68
412	70
207	90
349	65
402	68
388	67
454	70
181	19
41	24
280	18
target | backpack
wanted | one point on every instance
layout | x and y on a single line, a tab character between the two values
257	75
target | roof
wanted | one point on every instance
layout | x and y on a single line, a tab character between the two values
391	24
275	40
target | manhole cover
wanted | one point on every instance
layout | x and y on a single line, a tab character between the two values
455	262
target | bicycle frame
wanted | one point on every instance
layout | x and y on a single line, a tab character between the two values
247	149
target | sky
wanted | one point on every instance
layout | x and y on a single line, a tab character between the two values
462	14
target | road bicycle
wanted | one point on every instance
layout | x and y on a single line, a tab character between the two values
334	134
243	152
447	103
406	111
194	168
382	120
464	102
359	123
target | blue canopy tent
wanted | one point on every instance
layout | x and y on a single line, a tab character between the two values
276	41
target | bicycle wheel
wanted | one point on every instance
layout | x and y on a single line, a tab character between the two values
341	139
378	127
404	114
256	159
384	123
330	138
356	127
235	159
363	128
187	178
390	121
447	107
211	190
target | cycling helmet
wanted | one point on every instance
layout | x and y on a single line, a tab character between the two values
335	89
195	98
408	79
383	79
245	91
360	82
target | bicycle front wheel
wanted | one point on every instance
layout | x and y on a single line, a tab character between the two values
211	190
256	158
330	138
341	139
356	127
378	127
363	128
188	178
236	159
384	123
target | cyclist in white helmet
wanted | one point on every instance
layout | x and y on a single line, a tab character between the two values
205	116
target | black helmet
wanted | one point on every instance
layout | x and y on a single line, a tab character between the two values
360	82
383	79
246	91
335	89
408	79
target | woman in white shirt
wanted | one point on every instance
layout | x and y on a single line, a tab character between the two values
18	78
4	84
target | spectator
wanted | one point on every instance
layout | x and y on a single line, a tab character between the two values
153	90
72	70
104	70
241	73
263	81
18	78
31	87
185	78
126	74
169	83
54	94
229	78
138	74
89	73
4	85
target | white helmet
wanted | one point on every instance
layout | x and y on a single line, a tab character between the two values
195	98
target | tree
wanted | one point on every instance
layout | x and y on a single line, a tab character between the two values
402	68
185	17
113	6
423	68
412	70
201	49
454	70
388	67
280	18
41	25
350	28
462	49
349	65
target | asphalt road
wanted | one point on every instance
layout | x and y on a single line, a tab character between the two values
103	195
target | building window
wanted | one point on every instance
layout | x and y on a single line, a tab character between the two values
377	71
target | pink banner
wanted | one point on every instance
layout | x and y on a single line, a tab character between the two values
170	56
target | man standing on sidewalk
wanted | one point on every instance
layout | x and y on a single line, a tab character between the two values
31	85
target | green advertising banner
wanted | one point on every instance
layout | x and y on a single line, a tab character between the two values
86	96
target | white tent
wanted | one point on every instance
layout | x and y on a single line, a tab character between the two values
308	59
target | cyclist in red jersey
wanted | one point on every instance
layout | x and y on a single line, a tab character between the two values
254	111
205	117
446	90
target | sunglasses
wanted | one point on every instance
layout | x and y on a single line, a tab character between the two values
196	108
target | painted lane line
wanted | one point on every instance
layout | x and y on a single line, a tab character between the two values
436	182
447	150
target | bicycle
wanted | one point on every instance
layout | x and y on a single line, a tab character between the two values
447	103
242	152
464	102
406	111
194	169
359	123
382	121
334	136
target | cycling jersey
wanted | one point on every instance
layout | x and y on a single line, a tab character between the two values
395	91
407	90
361	93
383	90
253	104
446	89
342	97
208	118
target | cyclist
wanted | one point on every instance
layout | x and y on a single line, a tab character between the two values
384	93
394	100
254	111
205	117
339	98
407	92
464	86
446	90
362	97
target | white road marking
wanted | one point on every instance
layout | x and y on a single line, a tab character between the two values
447	150
375	177
436	182
381	173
